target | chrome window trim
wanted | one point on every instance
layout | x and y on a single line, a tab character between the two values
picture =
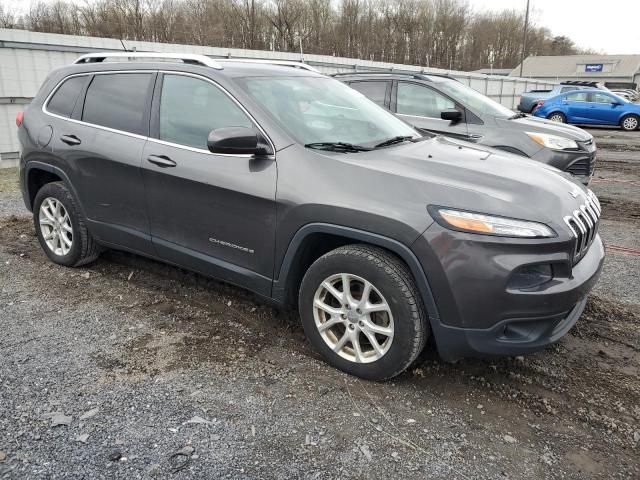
233	99
80	122
148	138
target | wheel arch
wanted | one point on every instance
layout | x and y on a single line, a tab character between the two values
37	174
628	114
554	111
314	240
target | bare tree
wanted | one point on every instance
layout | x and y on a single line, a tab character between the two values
434	33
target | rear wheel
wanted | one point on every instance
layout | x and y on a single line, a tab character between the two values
557	117
361	310
61	229
630	123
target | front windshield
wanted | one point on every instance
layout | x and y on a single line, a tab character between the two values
472	99
319	109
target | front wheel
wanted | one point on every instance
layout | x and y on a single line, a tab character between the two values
557	117
629	123
361	310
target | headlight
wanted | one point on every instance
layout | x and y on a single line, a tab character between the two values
490	225
553	141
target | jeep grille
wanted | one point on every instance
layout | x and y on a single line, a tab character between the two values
583	223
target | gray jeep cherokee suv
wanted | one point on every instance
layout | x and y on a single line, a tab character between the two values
442	105
298	188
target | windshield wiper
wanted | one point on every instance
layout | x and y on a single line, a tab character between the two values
517	115
394	140
338	147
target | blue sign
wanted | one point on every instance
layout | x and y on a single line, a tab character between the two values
593	67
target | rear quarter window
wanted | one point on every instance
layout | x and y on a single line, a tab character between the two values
118	101
376	91
66	95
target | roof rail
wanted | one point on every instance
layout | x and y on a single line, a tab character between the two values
583	83
185	57
416	75
286	63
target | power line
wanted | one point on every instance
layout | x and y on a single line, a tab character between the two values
524	38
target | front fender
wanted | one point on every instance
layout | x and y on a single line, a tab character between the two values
279	290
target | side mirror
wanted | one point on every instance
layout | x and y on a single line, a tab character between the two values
237	141
451	114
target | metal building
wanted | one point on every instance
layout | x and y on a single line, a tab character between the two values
27	57
614	71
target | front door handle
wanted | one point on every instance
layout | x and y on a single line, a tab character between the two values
70	139
161	160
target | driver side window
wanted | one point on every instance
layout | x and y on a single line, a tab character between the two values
190	108
601	98
421	101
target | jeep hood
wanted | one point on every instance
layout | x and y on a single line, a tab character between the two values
462	175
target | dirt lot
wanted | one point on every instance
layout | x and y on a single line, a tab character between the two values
154	372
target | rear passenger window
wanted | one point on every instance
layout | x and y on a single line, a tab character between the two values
190	108
66	96
577	97
119	101
376	91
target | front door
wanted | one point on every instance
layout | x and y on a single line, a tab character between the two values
421	107
605	108
208	212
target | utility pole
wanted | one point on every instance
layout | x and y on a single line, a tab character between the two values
524	37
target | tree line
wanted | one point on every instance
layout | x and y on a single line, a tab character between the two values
434	33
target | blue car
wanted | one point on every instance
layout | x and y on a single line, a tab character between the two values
590	107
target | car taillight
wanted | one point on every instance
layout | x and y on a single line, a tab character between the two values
19	118
540	103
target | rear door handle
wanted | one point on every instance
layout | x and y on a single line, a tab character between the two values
161	160
70	139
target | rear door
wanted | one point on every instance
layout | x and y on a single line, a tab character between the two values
421	107
101	146
209	212
577	107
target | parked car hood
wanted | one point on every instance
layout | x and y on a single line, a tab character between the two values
542	125
458	174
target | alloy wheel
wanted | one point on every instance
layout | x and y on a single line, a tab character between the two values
55	226
630	123
556	118
353	318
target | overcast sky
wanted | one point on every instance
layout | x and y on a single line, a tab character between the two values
611	26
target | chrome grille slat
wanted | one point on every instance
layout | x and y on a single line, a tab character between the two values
583	223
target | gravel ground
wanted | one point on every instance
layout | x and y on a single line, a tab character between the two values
133	369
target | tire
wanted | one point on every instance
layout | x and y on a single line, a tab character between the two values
82	248
391	284
629	123
557	117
